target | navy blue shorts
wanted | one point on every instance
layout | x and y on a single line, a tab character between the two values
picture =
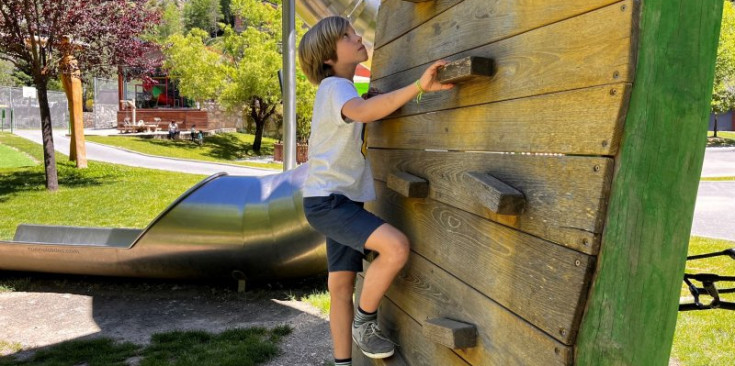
347	226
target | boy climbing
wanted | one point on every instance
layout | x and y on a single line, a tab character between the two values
339	181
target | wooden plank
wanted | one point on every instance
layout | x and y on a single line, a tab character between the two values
468	25
586	122
538	280
423	290
565	195
396	17
415	350
450	333
632	311
589	50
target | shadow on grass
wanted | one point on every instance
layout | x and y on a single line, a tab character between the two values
34	179
189	322
229	147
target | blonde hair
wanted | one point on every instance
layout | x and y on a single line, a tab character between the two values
319	44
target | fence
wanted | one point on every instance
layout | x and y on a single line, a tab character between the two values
23	112
106	103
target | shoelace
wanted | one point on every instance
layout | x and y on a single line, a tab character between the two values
373	328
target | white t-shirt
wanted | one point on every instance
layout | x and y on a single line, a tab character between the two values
336	162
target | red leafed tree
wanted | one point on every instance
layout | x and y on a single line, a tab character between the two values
104	34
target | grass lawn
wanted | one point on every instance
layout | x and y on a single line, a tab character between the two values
231	148
101	195
724	138
723	134
12	158
234	347
705	337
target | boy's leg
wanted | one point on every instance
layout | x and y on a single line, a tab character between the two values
393	249
341	286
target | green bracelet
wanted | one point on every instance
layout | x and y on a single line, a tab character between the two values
421	91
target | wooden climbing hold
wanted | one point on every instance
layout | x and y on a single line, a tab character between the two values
408	185
466	69
450	333
497	196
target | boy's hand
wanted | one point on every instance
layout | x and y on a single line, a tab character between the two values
428	80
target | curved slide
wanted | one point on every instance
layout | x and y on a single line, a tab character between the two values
245	227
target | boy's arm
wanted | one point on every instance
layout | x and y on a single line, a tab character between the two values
380	106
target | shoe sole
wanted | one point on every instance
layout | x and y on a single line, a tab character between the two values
378	355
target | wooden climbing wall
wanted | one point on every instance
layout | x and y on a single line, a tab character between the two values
548	123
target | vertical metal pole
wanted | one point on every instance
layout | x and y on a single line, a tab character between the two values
288	19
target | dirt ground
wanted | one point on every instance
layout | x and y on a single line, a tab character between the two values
47	309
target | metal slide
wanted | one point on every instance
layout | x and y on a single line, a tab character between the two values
252	227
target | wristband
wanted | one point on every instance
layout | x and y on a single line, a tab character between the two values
421	91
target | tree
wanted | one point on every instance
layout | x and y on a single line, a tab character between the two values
203	14
171	21
239	70
723	90
31	33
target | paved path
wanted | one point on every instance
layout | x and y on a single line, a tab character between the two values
719	162
714	213
99	152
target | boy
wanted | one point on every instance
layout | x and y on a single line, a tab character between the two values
339	181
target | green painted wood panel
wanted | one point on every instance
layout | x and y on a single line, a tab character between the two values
631	313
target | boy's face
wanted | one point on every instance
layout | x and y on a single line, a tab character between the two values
350	49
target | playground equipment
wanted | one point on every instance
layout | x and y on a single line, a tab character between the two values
244	227
548	198
548	205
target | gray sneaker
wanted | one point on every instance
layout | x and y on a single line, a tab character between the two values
371	341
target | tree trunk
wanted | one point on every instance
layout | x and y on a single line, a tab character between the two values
715	135
260	111
71	80
49	159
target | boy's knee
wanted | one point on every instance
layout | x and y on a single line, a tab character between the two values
400	250
341	289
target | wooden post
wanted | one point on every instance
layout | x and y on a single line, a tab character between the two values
631	312
71	79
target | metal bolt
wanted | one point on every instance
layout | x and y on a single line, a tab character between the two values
604	143
563	332
577	262
586	242
616	75
596	168
623	7
613	91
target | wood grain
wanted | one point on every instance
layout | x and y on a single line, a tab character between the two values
588	50
565	195
538	280
469	25
424	291
415	350
396	17
585	122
